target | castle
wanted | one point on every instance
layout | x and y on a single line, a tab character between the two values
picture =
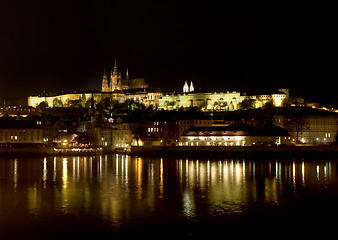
119	89
117	83
116	88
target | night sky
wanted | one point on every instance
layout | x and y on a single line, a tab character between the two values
64	45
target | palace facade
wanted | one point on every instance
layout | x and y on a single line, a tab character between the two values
217	101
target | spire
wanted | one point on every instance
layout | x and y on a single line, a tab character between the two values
191	88
127	75
105	87
115	68
185	87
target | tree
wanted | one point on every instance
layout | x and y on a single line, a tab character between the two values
42	105
75	103
57	102
223	105
83	100
216	105
247	104
296	124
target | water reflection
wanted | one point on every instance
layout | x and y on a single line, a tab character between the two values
120	188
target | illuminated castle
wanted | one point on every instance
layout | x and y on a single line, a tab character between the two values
114	88
117	83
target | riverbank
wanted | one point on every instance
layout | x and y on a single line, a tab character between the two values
187	151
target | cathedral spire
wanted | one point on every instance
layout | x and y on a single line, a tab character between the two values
105	87
115	68
127	75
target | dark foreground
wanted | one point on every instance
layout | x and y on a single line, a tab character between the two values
121	196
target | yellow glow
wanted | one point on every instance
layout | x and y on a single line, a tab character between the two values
64	172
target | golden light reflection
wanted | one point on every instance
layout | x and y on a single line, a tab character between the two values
294	174
303	173
44	173
161	178
127	185
64	172
139	177
15	173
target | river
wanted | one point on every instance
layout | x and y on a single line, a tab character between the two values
124	196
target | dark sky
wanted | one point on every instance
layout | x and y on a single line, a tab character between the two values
64	45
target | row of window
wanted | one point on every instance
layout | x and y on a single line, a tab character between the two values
155	129
19	138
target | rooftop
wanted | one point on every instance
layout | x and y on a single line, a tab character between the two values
18	124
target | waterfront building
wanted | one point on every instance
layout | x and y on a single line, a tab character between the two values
308	125
163	131
122	135
235	135
101	133
52	128
20	132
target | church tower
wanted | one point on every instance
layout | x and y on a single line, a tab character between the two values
113	78
105	87
185	87
127	75
191	88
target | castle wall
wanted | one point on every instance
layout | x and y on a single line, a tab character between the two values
205	101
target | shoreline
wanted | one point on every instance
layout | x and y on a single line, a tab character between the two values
191	151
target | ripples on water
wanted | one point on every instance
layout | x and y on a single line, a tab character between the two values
117	194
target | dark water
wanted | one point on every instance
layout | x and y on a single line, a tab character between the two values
122	196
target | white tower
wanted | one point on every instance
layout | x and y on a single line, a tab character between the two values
191	88
185	87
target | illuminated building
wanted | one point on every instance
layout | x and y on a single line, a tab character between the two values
20	131
122	89
117	83
202	100
14	111
235	135
308	125
117	89
260	100
122	136
217	101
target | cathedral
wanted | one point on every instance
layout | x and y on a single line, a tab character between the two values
117	83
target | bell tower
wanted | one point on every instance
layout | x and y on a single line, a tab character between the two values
105	87
114	78
191	88
185	87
